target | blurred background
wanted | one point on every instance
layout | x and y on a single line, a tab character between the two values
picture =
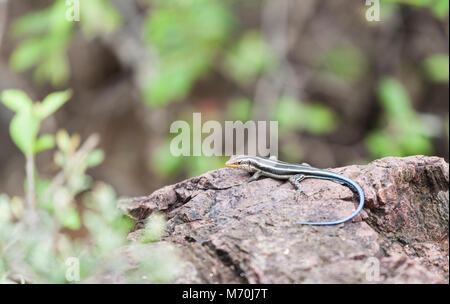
344	90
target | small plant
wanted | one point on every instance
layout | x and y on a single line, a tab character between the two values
46	35
403	132
24	129
175	31
36	240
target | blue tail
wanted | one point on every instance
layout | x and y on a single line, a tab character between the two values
351	184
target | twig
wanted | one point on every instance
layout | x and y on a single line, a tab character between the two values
30	215
73	162
29	168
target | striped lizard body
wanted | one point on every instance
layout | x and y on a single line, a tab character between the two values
294	174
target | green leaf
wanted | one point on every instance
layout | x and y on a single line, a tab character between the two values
64	141
186	37
31	24
47	46
154	228
99	17
201	164
295	115
28	54
381	144
53	102
59	26
416	143
286	113
16	100
44	142
95	158
318	119
178	27
170	84
440	8
395	99
251	57
437	68
404	134
163	162
54	69
70	218
23	130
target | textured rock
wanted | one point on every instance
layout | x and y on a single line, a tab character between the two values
232	234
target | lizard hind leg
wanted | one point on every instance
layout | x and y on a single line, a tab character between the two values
295	181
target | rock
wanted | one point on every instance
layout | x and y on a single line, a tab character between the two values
247	233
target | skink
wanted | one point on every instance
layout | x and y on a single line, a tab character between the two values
294	174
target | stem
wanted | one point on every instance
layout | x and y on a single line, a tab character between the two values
73	162
30	183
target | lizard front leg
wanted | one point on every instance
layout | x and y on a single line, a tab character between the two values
295	181
253	177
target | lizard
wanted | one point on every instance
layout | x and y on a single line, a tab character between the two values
294	173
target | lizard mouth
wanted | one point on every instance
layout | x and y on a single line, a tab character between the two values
232	166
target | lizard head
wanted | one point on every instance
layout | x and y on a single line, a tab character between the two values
241	162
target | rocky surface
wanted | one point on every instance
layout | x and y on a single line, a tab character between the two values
247	233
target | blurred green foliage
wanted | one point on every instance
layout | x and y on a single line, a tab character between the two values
402	132
47	35
187	37
249	58
154	228
439	8
25	125
346	63
313	117
100	16
163	162
166	165
190	39
37	251
201	164
437	68
239	109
